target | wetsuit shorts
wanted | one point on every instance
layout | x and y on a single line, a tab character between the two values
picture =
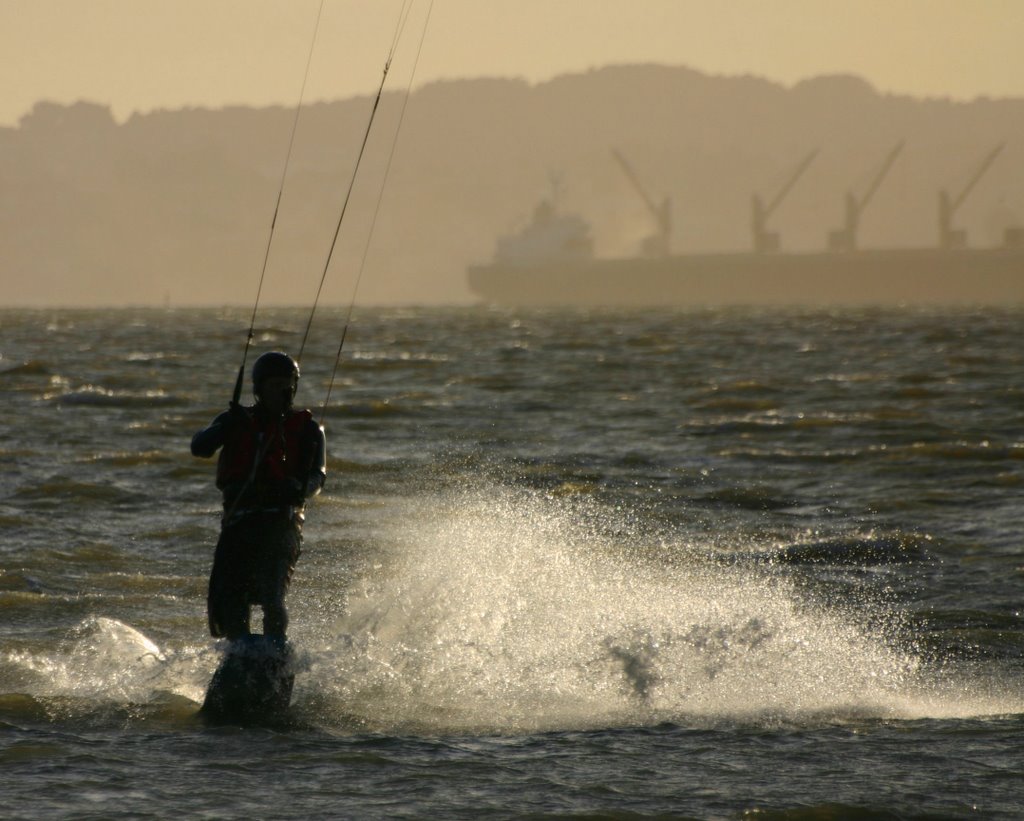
253	564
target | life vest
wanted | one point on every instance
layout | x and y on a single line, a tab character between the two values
281	445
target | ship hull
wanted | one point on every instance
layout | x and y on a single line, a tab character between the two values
861	278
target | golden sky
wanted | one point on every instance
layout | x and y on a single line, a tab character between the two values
140	55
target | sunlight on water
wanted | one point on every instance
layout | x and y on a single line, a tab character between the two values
513	612
104	660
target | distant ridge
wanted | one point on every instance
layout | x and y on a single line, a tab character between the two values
174	205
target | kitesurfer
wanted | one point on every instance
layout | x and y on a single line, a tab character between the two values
272	459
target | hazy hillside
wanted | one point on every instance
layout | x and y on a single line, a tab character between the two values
177	205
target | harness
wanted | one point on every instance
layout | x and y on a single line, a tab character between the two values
259	461
265	451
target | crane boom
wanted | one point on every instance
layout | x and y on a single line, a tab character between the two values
658	244
775	203
877	181
845	238
989	159
635	180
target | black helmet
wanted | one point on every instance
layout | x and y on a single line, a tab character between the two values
271	364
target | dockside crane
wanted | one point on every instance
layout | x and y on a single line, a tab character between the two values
765	240
950	237
845	238
658	244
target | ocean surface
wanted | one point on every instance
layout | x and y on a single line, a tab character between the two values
710	564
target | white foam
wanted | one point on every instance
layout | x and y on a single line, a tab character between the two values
105	660
511	611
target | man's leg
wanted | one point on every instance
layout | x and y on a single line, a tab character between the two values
282	553
227	604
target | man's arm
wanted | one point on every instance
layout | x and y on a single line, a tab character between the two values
206	441
318	462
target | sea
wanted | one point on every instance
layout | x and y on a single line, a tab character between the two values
711	564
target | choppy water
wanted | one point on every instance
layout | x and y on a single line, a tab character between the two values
708	564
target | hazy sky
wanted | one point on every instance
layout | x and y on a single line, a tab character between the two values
138	55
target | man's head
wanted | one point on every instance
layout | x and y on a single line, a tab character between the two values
275	376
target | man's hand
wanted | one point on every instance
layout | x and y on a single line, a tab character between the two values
237	418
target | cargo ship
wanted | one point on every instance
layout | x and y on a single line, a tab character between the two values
551	263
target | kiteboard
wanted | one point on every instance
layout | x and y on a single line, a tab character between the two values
252	683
